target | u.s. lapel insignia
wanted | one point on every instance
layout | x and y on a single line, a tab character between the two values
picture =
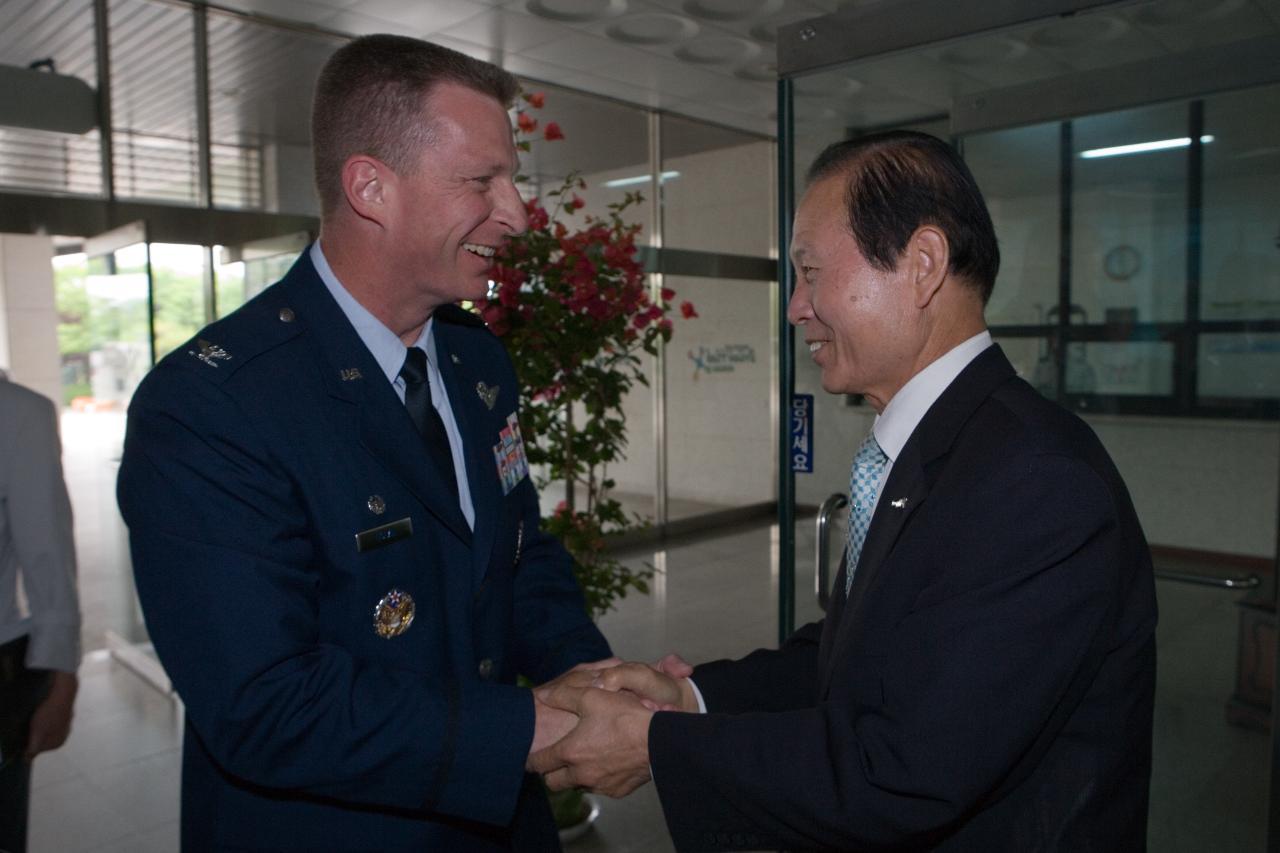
394	614
454	359
489	395
900	503
513	465
210	353
350	374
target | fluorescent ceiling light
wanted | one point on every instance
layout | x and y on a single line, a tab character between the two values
639	179
1141	147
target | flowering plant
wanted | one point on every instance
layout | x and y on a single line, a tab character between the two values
570	302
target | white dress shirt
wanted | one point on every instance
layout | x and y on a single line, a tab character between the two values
389	351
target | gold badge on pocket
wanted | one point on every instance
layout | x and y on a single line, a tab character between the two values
394	614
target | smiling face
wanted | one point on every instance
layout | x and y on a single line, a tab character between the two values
860	322
453	211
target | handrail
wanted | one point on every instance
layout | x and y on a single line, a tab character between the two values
821	582
1239	582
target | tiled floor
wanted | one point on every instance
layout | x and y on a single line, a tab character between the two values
114	786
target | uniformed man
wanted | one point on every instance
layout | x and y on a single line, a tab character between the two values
339	577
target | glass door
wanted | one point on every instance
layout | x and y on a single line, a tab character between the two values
105	336
1128	218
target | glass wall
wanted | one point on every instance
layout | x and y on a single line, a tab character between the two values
153	101
1140	277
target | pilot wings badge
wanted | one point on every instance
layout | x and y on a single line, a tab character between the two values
210	353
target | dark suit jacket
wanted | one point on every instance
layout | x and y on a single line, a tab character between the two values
252	459
988	686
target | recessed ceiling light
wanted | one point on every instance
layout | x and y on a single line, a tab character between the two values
1079	30
718	50
655	28
731	10
577	11
758	72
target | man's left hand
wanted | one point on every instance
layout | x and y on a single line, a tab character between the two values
607	752
51	722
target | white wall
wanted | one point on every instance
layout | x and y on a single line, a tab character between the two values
28	316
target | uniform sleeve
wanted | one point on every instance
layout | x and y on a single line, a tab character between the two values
41	527
227	571
553	631
966	689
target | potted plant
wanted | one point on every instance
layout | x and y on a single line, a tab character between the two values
571	304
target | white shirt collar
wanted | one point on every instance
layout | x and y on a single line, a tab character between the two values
385	345
908	407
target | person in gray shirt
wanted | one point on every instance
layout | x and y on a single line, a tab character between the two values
39	643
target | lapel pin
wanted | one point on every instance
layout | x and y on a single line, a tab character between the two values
900	503
489	395
349	374
454	359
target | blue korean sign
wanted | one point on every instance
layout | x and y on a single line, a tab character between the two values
802	433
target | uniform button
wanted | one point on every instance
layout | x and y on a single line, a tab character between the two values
286	315
486	668
376	504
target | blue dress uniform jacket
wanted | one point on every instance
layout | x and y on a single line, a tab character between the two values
254	456
987	686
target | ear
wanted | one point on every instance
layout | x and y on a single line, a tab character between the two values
930	257
369	186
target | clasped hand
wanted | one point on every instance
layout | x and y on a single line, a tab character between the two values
592	727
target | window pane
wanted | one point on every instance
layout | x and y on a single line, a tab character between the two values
1128	367
261	80
1129	217
177	275
1240	266
1018	173
717	189
153	101
1240	365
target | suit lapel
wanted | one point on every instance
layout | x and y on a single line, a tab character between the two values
913	474
353	376
472	415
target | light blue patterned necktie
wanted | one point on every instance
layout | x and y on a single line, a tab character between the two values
864	482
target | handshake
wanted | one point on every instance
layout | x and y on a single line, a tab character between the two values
592	723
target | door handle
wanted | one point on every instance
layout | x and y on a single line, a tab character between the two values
821	571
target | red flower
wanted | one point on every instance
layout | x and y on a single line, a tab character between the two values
552	132
535	99
687	311
538	217
668	294
576	203
526	122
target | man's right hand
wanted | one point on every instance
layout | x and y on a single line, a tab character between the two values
663	686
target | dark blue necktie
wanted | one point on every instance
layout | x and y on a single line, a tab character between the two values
417	399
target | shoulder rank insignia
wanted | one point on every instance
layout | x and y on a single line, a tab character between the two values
210	353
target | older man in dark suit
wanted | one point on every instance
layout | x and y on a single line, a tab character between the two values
340	575
984	680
